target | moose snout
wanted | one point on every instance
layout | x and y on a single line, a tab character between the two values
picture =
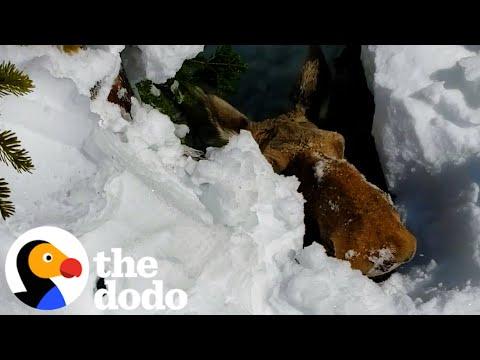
399	248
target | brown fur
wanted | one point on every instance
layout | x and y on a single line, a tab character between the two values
71	49
312	91
121	92
356	220
227	119
282	138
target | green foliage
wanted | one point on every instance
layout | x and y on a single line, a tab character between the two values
165	101
12	153
216	74
13	81
6	207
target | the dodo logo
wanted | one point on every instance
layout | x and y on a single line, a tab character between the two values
47	268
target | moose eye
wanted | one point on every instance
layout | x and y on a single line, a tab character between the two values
47	257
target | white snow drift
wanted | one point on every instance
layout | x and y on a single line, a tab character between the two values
426	128
226	229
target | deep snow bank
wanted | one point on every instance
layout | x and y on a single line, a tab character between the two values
427	132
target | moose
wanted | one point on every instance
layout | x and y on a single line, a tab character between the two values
353	219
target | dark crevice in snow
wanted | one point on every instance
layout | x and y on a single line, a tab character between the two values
350	112
264	89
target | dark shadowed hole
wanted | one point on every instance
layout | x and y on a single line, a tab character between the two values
350	112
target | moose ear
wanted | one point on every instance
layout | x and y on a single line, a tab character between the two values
313	86
225	117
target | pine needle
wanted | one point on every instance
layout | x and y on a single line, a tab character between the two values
12	153
6	207
14	81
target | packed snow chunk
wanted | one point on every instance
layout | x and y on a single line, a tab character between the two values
161	62
319	284
153	134
149	148
427	106
86	67
237	182
181	130
211	261
92	70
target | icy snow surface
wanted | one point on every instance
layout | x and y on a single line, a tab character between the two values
226	229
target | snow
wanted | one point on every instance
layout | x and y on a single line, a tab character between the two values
350	254
157	63
320	169
128	184
379	259
430	97
227	229
427	133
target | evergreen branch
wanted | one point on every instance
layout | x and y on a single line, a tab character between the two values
14	81
218	72
12	153
6	207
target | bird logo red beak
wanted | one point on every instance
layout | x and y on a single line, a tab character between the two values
70	268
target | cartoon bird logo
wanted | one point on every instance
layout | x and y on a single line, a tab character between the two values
37	262
47	268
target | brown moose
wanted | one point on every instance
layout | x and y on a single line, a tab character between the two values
352	218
